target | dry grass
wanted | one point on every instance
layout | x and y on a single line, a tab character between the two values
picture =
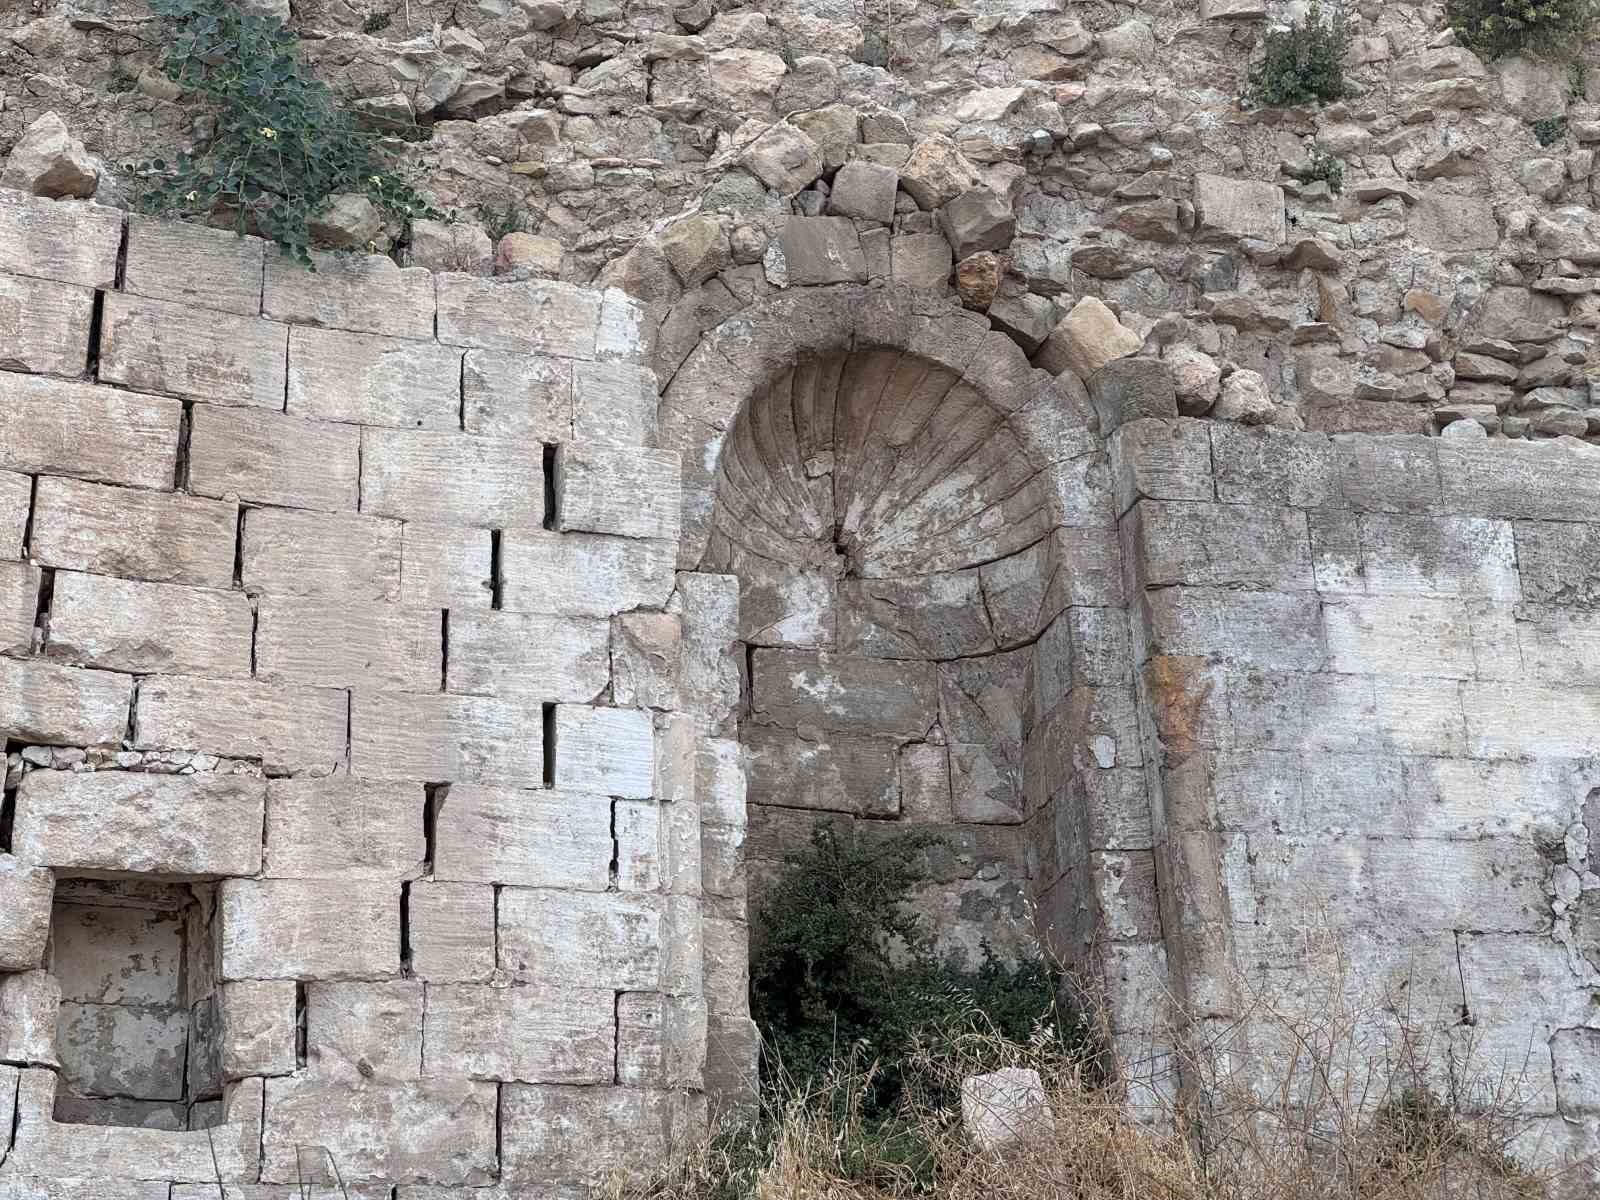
1325	1089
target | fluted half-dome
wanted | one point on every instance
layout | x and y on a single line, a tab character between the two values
875	463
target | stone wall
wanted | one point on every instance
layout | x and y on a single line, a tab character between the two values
399	647
353	800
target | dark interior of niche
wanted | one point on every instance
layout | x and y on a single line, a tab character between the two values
139	1033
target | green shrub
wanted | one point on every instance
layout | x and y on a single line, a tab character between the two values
283	145
1495	28
844	972
1549	130
1302	63
1329	169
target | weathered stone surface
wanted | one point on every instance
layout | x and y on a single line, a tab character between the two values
1003	1107
308	929
287	553
572	1138
829	771
921	260
16	503
341	827
633	493
1085	340
228	1150
798	688
201	354
124	625
1244	399
72	243
1128	389
450	246
978	278
440	739
452	932
19	601
534	654
190	264
258	1027
819	250
25	924
609	751
864	190
269	458
784	159
977	220
1453	223
284	726
517	395
1238	208
606	940
661	1040
645	652
696	248
531	838
449	1129
357	1031
48	161
613	404
303	639
936	173
366	294
371	380
43	702
455	477
446	566
536	317
142	535
184	826
45	326
561	1034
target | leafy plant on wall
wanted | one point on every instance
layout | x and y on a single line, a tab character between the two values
283	144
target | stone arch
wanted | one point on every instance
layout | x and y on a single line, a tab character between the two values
923	532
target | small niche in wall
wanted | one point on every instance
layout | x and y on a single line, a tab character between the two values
137	1032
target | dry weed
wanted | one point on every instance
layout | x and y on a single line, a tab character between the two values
1323	1090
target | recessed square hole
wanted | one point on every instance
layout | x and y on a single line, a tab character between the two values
137	1035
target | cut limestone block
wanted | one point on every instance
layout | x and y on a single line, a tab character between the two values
63	706
534	654
610	751
270	458
127	625
25	895
540	837
309	929
449	1129
153	346
447	739
529	1034
339	827
452	932
134	534
287	727
607	940
190	264
194	826
456	477
371	380
306	639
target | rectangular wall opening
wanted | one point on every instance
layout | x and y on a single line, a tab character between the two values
137	1035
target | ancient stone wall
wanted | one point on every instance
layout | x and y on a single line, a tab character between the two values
354	797
386	657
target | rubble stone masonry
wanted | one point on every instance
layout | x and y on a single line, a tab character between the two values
409	683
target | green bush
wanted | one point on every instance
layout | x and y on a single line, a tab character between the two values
1549	130
844	972
1302	63
1329	169
1495	28
283	145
